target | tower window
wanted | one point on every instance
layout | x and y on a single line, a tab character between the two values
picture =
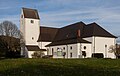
32	21
84	47
71	47
32	38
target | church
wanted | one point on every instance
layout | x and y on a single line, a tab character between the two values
77	40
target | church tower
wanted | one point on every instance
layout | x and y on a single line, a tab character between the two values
30	30
30	26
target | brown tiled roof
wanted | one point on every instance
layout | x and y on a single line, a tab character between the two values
69	31
94	29
69	34
67	41
47	34
30	13
34	48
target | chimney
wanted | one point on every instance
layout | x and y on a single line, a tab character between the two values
78	32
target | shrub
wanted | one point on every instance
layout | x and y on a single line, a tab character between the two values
37	54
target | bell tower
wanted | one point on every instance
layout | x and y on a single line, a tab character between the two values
30	26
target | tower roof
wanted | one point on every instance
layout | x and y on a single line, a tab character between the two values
30	13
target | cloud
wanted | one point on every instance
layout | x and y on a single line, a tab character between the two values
58	13
12	18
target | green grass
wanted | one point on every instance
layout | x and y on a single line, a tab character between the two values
59	67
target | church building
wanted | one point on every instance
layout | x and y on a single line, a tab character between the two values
77	40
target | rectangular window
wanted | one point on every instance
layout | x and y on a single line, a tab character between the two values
71	48
71	55
52	51
63	48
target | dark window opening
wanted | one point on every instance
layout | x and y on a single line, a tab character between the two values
84	47
57	48
32	21
32	38
71	47
97	55
52	51
84	54
63	48
105	45
71	55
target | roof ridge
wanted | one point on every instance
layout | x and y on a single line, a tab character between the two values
73	24
29	8
49	27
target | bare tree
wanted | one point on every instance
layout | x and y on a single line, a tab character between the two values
8	28
115	49
10	37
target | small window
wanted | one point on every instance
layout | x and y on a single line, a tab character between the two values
105	45
84	47
71	47
52	51
71	55
32	38
32	21
57	48
63	48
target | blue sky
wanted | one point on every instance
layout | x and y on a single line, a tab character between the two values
59	13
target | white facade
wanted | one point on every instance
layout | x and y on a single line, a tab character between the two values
43	44
101	45
70	50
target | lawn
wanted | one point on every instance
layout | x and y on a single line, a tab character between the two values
59	67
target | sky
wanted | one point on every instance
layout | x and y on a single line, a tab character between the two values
59	13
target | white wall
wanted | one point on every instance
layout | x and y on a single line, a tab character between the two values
100	43
30	54
31	31
87	50
76	50
90	39
67	50
43	44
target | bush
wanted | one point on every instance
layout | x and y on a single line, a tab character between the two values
38	54
97	55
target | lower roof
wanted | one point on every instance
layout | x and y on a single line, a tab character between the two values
34	48
68	41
